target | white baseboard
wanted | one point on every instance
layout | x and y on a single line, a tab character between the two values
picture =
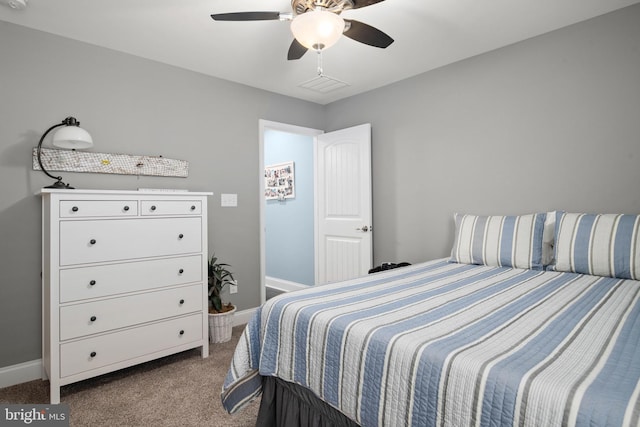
20	373
242	317
283	285
29	371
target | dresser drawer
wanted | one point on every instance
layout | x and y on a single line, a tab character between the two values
108	280
113	240
90	208
170	207
96	352
100	316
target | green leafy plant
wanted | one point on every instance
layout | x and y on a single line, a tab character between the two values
219	277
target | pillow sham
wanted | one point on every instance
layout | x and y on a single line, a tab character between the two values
501	241
598	244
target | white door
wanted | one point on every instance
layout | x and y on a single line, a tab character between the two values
344	241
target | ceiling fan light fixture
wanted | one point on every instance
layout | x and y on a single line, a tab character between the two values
317	29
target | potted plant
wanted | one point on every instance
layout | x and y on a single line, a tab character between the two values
220	314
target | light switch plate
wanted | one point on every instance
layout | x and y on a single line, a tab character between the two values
228	200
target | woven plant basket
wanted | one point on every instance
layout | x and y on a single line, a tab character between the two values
220	326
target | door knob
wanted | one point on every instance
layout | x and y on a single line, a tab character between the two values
364	229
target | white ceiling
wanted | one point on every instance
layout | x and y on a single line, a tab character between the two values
428	34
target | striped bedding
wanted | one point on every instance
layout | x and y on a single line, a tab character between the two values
446	344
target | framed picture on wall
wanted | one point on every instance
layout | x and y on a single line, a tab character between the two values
279	181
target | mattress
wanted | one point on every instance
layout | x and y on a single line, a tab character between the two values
447	344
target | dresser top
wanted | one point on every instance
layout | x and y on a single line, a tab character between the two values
124	192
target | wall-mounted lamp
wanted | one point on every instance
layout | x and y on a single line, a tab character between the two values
71	137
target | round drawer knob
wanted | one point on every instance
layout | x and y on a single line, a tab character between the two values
181	271
193	208
126	208
92	283
93	318
92	241
74	209
180	236
93	354
153	208
181	301
181	332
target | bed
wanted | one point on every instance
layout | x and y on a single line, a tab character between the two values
499	333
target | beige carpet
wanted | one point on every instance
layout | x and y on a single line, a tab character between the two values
178	390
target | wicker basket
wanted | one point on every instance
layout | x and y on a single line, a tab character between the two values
220	326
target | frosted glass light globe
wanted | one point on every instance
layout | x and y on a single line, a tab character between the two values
318	29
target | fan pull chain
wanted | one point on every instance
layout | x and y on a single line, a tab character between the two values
320	70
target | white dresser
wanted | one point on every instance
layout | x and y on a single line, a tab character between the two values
124	277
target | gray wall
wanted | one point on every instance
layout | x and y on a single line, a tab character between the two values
134	106
549	123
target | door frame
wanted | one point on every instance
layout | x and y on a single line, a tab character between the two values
264	125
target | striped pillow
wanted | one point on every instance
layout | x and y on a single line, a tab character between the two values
503	241
601	245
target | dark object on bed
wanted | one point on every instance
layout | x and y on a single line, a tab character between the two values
388	266
287	404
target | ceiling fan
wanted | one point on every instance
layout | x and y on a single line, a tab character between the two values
317	24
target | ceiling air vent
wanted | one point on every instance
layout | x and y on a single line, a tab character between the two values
323	84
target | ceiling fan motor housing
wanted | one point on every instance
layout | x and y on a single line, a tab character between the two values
336	6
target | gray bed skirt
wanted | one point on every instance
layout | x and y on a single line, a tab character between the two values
287	405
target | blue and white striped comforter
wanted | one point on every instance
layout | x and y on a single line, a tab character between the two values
443	344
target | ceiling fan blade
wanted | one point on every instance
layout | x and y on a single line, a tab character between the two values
246	16
296	50
357	4
367	34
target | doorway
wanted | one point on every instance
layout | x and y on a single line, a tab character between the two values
274	213
341	234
